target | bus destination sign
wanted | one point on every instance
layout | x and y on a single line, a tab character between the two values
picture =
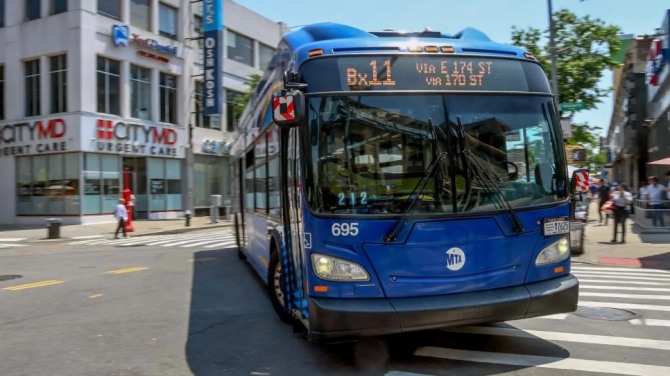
435	73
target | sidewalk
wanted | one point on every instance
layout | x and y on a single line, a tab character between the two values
142	228
640	250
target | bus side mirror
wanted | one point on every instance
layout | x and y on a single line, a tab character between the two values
288	108
579	182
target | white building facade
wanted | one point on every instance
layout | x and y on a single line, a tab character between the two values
92	88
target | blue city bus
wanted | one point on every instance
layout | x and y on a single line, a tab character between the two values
389	182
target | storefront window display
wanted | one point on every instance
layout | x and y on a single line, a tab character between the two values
210	177
164	184
102	183
48	185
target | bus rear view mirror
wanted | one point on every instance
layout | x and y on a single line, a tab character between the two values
288	108
579	182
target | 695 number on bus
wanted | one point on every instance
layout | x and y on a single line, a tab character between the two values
344	229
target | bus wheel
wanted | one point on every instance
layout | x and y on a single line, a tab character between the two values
277	287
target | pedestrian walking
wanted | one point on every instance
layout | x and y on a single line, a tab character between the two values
656	194
121	215
603	196
622	200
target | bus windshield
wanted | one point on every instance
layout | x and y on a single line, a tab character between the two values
368	152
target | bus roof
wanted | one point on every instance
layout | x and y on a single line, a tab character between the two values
335	38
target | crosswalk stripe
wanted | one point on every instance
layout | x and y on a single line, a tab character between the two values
622	288
647	307
610	281
12	245
564	337
572	364
11	239
626	277
224	244
628	270
402	373
649	322
624	296
615	274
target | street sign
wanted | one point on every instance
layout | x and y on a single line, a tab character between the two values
572	106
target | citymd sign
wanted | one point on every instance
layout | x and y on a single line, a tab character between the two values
212	11
27	138
121	137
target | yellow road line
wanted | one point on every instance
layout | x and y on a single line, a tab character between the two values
95	296
33	285
126	270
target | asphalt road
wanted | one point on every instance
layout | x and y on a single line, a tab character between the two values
173	306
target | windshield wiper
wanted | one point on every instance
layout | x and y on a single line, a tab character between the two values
486	180
417	191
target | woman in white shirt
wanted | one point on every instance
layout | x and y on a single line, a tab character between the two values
622	200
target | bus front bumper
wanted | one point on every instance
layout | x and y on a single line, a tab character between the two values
345	319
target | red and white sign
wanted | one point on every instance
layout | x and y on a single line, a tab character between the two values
582	181
654	63
283	108
130	138
34	137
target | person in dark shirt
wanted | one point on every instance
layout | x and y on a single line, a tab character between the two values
603	196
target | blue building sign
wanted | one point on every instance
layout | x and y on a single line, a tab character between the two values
212	13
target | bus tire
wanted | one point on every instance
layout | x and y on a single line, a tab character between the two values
277	286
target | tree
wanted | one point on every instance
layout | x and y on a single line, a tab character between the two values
240	102
586	48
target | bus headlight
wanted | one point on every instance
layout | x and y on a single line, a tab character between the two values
554	252
336	269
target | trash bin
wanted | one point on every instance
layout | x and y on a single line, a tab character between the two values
577	237
53	228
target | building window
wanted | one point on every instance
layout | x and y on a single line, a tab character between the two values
140	14
232	115
201	120
2	92
168	91
240	48
108	86
140	92
33	8
48	184
167	17
110	8
2	13
58	84
57	6
265	54
198	33
32	87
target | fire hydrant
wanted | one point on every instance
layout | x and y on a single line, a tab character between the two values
187	215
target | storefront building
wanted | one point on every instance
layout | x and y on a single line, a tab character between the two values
658	94
90	89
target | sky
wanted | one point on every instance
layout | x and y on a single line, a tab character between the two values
493	17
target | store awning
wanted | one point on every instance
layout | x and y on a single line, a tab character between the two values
664	161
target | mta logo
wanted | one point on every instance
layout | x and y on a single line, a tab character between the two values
120	35
455	259
105	129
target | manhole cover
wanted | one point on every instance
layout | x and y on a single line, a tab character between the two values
610	314
9	277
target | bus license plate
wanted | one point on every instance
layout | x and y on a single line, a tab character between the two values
556	226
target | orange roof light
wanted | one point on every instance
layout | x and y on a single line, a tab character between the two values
431	49
415	49
316	52
528	55
447	49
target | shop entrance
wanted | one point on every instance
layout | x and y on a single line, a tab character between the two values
138	184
